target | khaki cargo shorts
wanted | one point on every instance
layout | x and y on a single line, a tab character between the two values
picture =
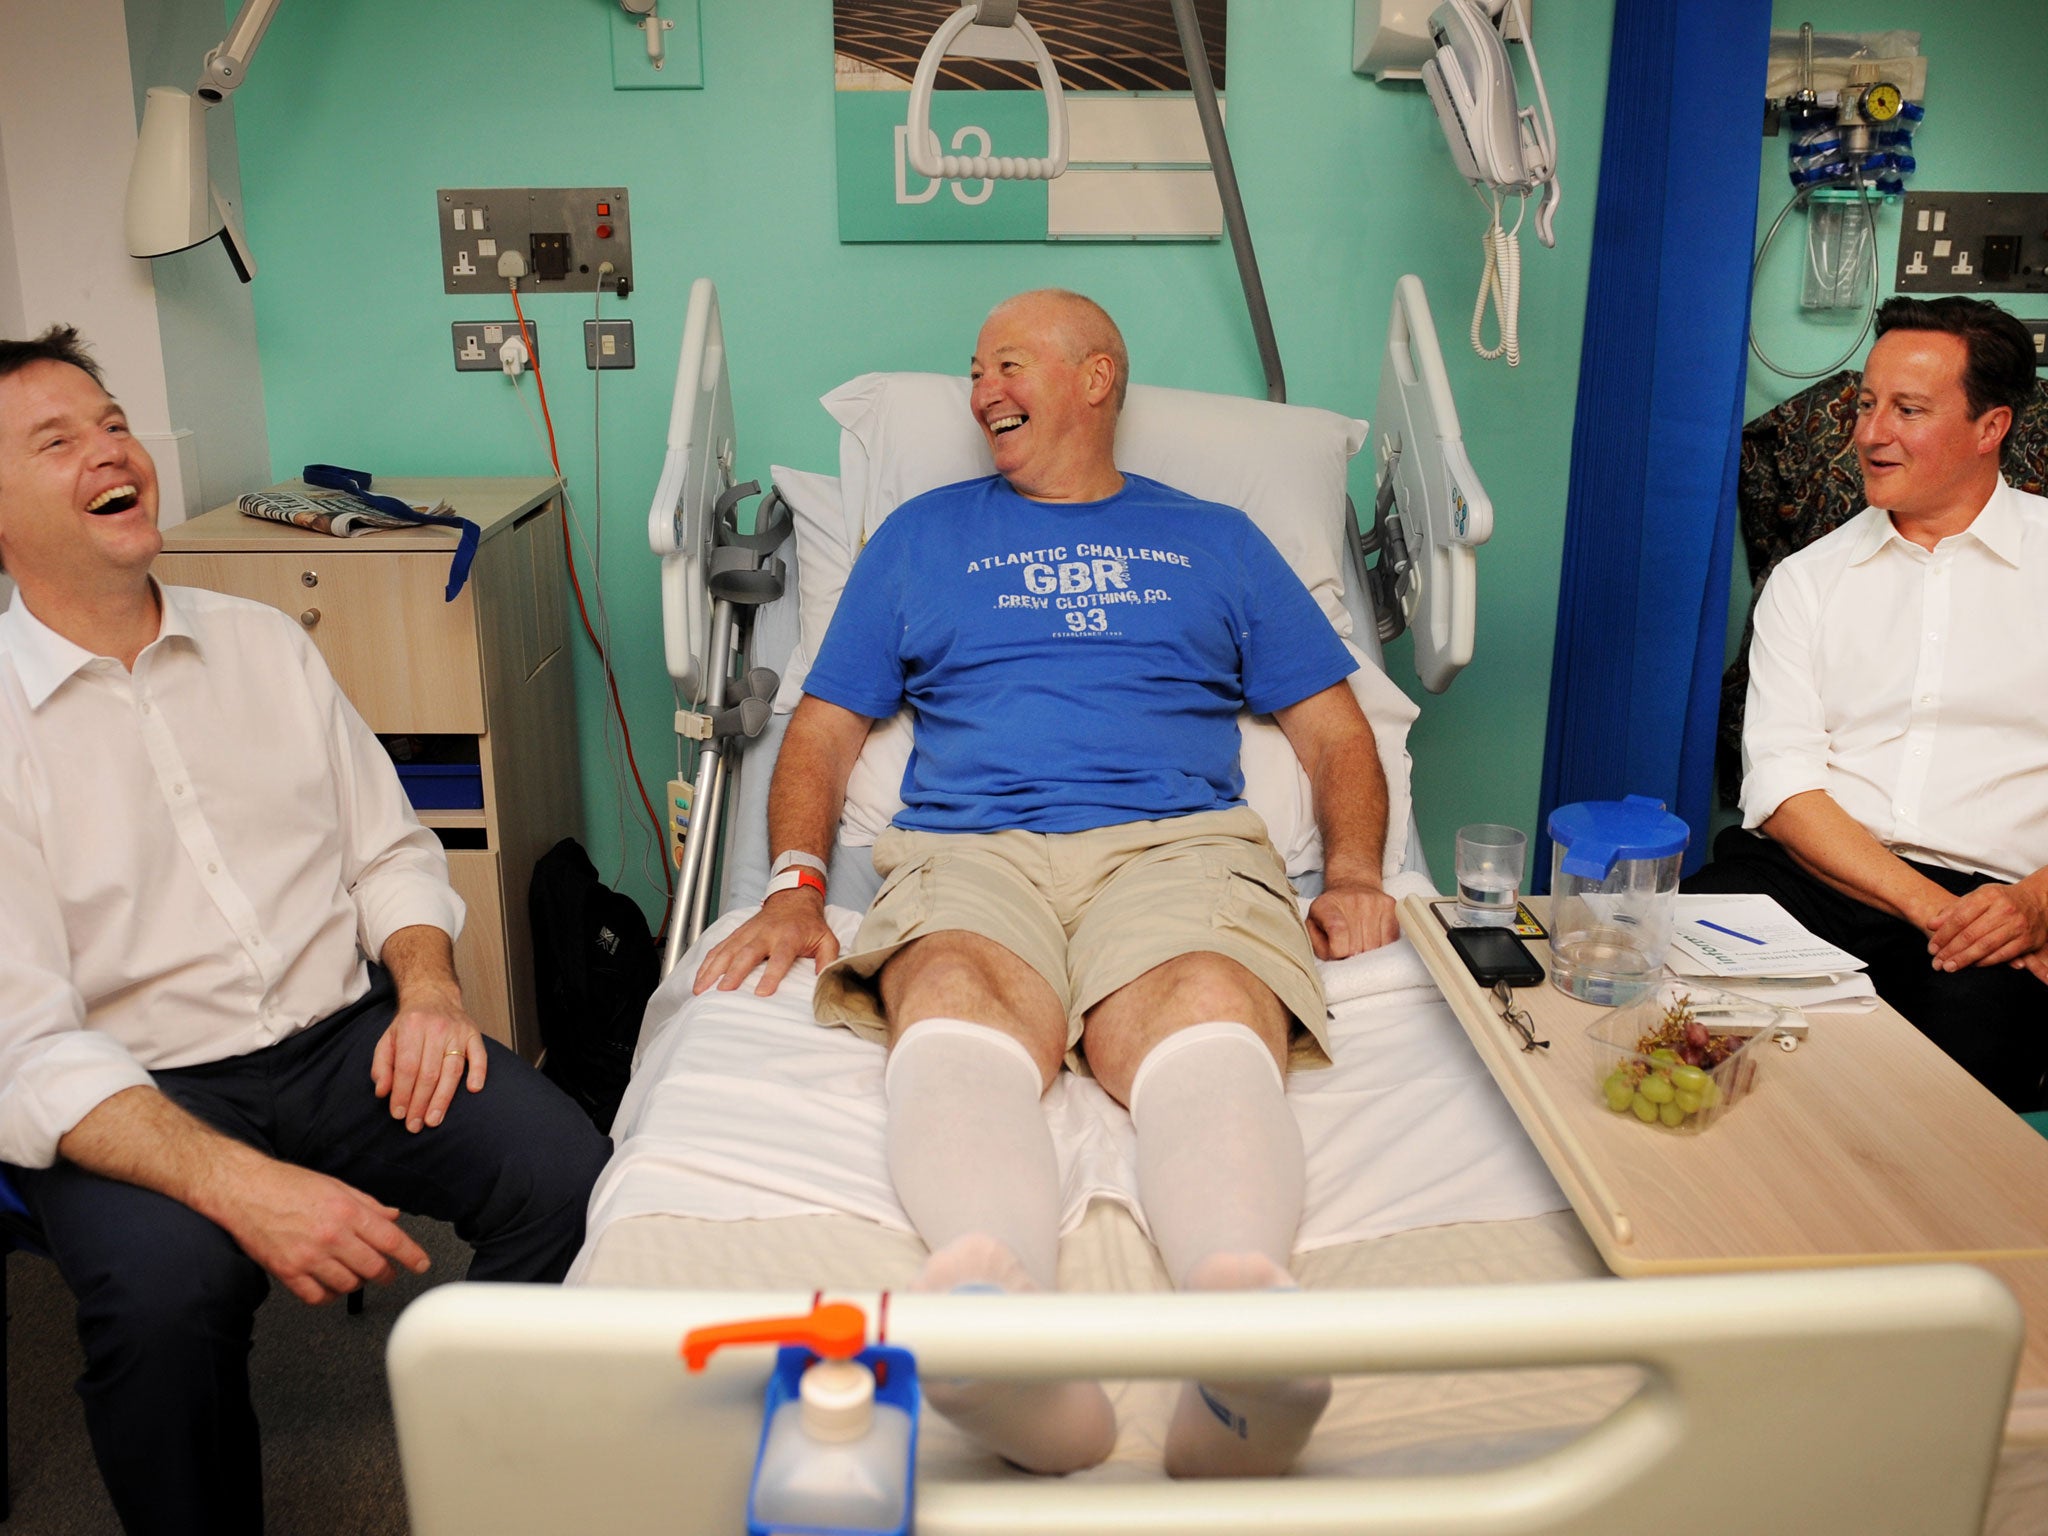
1090	912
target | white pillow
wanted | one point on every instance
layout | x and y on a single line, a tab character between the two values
1285	466
1274	784
824	555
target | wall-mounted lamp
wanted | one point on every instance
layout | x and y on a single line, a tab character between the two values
172	203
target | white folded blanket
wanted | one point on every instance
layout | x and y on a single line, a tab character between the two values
744	1108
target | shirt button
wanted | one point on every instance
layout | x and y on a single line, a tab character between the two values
177	789
212	868
145	708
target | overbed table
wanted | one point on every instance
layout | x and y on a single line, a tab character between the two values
1865	1145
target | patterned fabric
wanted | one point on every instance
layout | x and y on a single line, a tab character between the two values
1799	481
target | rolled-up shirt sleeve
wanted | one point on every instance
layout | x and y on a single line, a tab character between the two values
394	868
53	1071
1784	727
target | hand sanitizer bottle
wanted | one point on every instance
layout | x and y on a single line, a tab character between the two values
833	1458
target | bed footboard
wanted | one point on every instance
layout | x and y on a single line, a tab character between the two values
1868	1400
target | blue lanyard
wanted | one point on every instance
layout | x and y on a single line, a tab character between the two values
331	477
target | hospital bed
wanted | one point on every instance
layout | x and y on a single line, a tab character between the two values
1436	1252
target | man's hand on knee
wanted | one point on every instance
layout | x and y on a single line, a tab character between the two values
431	1046
789	927
319	1237
1992	925
1351	917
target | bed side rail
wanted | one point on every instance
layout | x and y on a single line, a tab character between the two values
1868	1400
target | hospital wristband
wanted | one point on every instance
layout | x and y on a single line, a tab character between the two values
791	878
793	857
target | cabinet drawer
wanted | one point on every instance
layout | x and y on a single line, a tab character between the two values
406	659
480	952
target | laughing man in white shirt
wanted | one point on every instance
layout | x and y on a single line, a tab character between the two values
204	1084
1895	744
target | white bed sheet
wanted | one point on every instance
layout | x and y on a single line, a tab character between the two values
742	1108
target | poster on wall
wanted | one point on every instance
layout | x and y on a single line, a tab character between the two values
1137	165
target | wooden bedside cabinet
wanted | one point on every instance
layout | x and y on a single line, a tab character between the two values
488	676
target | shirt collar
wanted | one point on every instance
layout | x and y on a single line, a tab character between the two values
44	660
1997	527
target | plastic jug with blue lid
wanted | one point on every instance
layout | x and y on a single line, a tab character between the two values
1613	896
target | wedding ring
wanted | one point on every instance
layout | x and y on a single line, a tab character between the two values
455	1050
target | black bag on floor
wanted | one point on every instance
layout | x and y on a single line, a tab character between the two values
594	966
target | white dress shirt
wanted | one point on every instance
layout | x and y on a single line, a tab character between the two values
1911	685
194	858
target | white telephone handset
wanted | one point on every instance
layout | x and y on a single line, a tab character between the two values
1498	145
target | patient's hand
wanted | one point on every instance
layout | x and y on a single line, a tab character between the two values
789	927
1351	917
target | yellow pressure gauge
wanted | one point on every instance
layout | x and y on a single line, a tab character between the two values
1880	103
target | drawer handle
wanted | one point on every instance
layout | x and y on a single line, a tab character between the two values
309	578
310	617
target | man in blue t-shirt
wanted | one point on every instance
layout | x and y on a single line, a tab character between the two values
1074	874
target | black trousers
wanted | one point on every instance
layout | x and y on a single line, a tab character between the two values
1990	1019
166	1300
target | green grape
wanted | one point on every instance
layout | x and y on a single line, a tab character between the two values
1710	1094
1687	1079
1664	1053
1657	1088
1671	1114
1620	1092
1689	1102
1645	1110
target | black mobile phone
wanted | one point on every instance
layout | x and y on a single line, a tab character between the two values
1495	955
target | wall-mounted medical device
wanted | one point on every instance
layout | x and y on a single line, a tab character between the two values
1501	147
172	203
1848	105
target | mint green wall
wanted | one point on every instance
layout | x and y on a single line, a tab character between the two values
1985	63
357	113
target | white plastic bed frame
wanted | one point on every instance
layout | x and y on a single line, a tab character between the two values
1810	1403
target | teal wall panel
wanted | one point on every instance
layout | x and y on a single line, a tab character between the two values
357	113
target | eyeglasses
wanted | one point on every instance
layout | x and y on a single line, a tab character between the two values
1517	1019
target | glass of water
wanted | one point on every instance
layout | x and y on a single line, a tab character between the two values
1490	859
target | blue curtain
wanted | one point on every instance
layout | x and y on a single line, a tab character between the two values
1649	521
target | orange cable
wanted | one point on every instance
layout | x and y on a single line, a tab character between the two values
583	612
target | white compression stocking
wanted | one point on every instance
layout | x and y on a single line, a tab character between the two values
1220	1170
974	1165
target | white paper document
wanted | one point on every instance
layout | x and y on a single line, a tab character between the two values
1813	994
1754	938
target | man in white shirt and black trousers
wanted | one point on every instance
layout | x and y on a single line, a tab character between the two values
1895	744
204	1084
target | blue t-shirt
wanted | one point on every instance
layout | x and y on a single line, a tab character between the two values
1071	664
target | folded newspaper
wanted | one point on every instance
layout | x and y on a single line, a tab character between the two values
335	512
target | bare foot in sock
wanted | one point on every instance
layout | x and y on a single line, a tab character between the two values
1042	1426
1242	1428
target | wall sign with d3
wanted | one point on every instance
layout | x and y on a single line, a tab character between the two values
561	237
1137	163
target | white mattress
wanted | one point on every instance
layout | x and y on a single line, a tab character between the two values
742	1108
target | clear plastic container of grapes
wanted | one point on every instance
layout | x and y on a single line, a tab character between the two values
1681	1058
